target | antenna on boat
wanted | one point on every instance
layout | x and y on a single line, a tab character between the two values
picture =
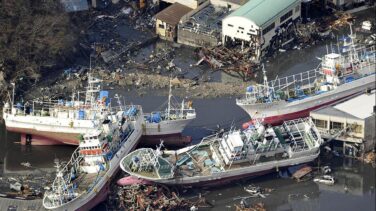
266	86
327	50
169	100
13	91
117	97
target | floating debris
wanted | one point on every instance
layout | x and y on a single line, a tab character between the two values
26	164
244	206
325	179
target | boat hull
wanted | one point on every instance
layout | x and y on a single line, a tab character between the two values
45	138
238	173
279	111
167	127
170	140
101	189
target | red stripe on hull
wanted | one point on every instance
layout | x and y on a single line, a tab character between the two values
47	138
277	120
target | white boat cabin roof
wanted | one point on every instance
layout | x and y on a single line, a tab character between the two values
92	134
235	140
332	56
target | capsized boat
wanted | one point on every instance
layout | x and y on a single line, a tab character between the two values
84	181
339	76
236	154
55	122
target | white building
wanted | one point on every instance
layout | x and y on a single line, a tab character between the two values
351	122
257	22
189	3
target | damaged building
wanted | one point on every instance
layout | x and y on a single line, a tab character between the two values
203	26
167	20
189	3
261	24
351	122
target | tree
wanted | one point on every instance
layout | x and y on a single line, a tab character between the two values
34	35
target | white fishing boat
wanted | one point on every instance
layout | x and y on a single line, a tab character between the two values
339	76
84	181
171	121
57	121
237	154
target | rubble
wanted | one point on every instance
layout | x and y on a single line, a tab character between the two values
370	158
25	186
244	206
231	61
151	197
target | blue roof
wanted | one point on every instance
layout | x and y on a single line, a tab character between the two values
262	11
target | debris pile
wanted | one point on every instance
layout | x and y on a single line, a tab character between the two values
244	206
24	187
231	61
150	197
370	157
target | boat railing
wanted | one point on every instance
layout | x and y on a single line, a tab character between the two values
305	79
293	86
74	163
301	134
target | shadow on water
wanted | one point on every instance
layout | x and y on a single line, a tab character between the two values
354	190
41	158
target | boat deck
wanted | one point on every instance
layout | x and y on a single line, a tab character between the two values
87	181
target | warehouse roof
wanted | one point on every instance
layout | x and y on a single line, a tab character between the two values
261	11
360	106
173	13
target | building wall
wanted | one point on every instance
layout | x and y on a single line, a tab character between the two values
194	39
189	3
296	12
360	135
224	3
370	133
239	28
243	29
167	32
159	30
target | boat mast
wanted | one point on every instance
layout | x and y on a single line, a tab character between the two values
352	45
266	86
169	101
14	87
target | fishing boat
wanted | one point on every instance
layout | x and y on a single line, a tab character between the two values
171	121
55	122
339	76
236	154
84	181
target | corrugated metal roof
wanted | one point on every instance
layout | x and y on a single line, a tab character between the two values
173	13
360	106
261	11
